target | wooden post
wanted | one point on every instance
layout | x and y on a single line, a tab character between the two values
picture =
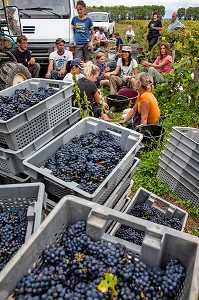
195	79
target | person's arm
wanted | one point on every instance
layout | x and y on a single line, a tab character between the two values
131	114
159	27
144	112
156	66
50	68
90	44
96	97
114	72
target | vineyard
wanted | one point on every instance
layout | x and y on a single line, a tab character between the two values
178	100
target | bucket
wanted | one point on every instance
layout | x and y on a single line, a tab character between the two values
127	92
152	135
118	101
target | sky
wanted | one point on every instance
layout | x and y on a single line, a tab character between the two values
170	5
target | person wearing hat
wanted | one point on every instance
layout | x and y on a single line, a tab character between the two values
58	60
76	66
153	30
127	67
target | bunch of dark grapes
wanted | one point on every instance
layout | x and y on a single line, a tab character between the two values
130	234
64	275
21	100
146	212
86	160
13	225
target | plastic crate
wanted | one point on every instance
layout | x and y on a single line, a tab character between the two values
128	140
188	135
30	196
159	245
12	161
186	192
23	128
167	209
8	178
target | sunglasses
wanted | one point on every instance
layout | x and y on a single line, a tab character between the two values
123	51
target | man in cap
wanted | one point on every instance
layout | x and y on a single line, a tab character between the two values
175	23
58	60
76	66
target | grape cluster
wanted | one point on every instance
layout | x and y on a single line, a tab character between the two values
130	234
13	225
86	160
152	214
64	273
21	100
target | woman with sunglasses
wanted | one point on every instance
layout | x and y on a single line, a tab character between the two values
124	72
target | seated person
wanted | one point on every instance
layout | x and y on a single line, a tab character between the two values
100	38
76	67
23	56
119	41
175	23
87	86
102	66
161	65
145	110
58	61
130	34
126	68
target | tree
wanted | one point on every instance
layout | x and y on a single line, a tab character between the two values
181	12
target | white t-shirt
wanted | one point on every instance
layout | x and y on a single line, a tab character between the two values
127	70
69	77
130	33
60	60
101	36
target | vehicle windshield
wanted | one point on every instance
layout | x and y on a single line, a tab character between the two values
59	7
96	17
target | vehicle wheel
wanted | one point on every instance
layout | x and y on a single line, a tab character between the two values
12	73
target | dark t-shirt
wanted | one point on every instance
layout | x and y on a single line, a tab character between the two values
154	32
22	57
119	41
88	87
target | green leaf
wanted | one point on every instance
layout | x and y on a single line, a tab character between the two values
109	282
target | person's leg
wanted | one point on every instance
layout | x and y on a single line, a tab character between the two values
157	77
152	42
79	52
104	82
115	81
87	54
54	74
131	83
34	70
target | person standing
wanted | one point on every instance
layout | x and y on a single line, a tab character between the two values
23	56
58	61
175	23
84	33
153	31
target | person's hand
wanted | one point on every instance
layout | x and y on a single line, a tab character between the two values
90	46
106	106
145	63
62	72
31	61
107	69
122	122
107	74
47	75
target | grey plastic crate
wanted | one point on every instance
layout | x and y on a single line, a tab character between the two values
12	161
128	140
30	196
8	178
188	135
30	124
167	209
159	245
178	186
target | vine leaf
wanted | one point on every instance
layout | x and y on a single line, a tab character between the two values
109	282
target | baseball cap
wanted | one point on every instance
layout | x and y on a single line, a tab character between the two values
59	40
76	62
126	48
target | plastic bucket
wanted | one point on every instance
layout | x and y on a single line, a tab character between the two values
118	101
127	92
152	134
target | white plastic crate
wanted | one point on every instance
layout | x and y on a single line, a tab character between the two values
166	208
187	135
12	161
160	244
129	141
23	128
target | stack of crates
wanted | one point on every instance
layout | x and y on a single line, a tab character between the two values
116	183
23	134
179	163
160	244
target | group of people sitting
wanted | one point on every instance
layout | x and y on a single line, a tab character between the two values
91	76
